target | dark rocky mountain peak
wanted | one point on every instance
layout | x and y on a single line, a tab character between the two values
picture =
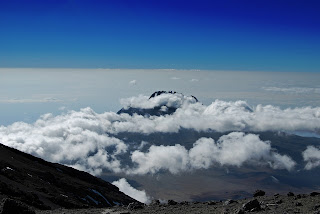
157	110
157	93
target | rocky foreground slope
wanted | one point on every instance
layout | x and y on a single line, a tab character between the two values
25	179
290	203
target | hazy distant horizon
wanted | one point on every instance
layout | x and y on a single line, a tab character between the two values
27	93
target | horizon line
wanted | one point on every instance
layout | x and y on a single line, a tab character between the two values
158	69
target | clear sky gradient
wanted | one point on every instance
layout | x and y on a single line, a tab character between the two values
226	35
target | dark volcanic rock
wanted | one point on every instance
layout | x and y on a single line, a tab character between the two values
230	201
9	206
45	185
317	207
252	205
184	203
212	203
314	193
259	193
240	211
155	202
156	111
135	206
308	204
290	194
172	202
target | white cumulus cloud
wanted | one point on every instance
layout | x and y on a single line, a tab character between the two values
219	115
234	149
76	139
126	188
312	156
172	158
176	100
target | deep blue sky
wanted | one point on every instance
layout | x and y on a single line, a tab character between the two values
227	35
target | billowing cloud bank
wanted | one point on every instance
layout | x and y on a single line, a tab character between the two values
126	188
82	139
234	149
219	116
312	156
176	100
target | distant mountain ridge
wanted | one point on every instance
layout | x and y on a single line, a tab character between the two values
155	111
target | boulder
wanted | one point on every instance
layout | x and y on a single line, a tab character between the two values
314	193
135	206
212	203
290	194
317	207
155	202
172	202
230	201
259	192
184	203
252	206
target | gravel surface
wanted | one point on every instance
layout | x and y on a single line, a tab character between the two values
302	203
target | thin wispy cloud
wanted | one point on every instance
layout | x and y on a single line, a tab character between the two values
62	108
133	82
31	100
194	80
292	89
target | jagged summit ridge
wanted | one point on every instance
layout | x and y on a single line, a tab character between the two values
159	103
157	93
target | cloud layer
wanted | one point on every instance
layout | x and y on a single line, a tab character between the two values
234	149
76	139
87	140
219	115
312	156
126	188
166	99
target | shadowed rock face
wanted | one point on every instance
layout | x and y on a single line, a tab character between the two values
45	185
9	206
156	111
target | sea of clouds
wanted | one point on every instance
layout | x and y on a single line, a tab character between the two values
87	140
